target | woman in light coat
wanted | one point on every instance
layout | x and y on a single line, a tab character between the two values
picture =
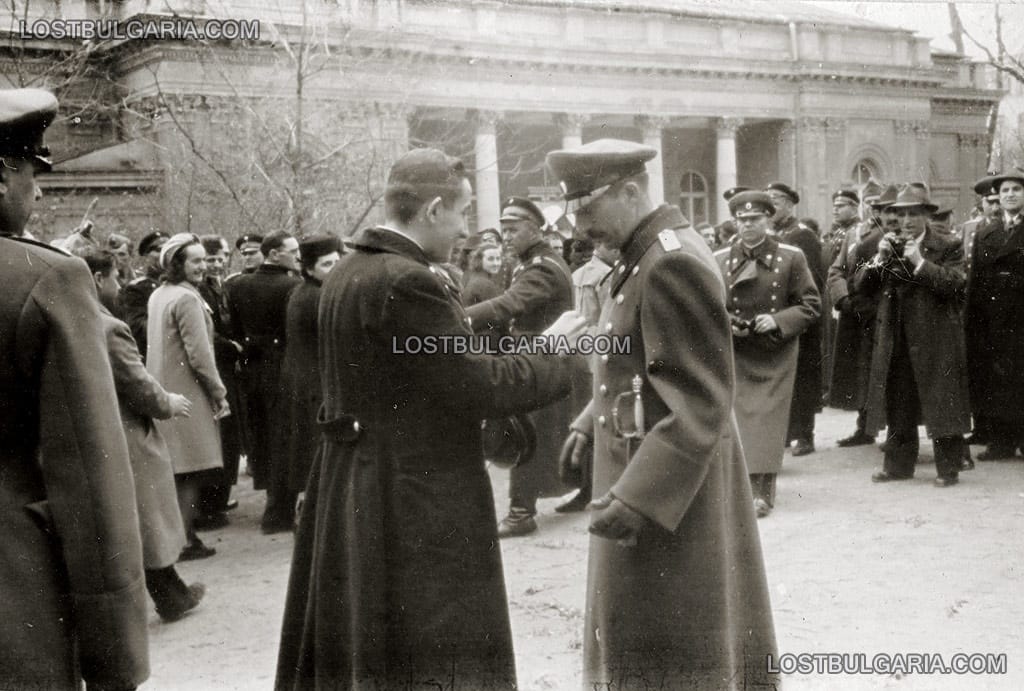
180	357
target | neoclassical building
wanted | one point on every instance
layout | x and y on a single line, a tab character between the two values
728	94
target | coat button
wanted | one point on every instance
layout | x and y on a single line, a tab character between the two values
774	310
608	327
602	421
777	271
773	298
604	357
603	390
620	298
622	267
636	270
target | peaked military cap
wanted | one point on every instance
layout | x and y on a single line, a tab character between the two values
785	189
914	196
845	196
24	116
872	190
522	209
733	191
986	187
150	239
750	203
586	171
246	239
886	198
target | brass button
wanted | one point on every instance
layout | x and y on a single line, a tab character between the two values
603	389
636	270
620	298
602	421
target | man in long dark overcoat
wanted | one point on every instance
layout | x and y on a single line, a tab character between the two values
851	366
540	291
72	592
397	578
995	321
676	590
918	367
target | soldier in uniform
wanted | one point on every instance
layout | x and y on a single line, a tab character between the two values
540	291
133	299
257	303
918	370
772	301
856	324
994	321
396	579
807	383
248	247
74	595
676	589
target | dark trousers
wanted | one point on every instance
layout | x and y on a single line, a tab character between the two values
903	415
763	487
1003	432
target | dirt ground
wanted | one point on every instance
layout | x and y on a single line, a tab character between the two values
853	567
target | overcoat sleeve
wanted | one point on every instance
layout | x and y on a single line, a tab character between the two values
191	323
419	307
89	488
136	387
803	298
946	278
134	302
687	347
530	291
838	288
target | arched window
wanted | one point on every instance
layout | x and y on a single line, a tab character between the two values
864	171
693	196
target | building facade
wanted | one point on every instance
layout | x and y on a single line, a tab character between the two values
728	94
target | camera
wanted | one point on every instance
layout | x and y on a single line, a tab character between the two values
897	242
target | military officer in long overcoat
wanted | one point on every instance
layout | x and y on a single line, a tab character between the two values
856	325
808	380
73	603
918	368
397	578
540	291
772	300
676	590
995	321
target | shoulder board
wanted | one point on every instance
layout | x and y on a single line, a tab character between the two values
791	248
669	240
139	280
538	260
37	243
723	251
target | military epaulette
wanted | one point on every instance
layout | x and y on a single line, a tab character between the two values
724	251
791	248
37	243
669	240
538	260
140	279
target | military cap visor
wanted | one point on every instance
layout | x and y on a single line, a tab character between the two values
522	209
841	197
588	171
247	239
752	203
783	189
24	116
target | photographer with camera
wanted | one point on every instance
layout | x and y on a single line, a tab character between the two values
918	366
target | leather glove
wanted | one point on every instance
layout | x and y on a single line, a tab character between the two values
612	519
571	459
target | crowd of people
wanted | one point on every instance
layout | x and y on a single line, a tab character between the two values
140	391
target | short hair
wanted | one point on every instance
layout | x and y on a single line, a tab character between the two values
213	243
417	178
99	261
274	241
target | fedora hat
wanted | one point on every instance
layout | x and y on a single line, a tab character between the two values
508	442
912	196
1013	174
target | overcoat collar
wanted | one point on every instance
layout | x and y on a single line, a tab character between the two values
272	269
1000	240
665	216
383	240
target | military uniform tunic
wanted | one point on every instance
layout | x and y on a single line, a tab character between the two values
687	606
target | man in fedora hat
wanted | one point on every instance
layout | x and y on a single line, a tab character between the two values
918	367
855	328
995	321
807	383
676	589
74	596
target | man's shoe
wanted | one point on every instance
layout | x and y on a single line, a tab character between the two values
213	521
803	447
977	439
183	606
966	463
196	550
231	505
887	445
761	507
996	452
517	523
577	503
883	476
946	480
858	438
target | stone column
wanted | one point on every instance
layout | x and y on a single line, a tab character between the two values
651	127
485	149
725	162
571	127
